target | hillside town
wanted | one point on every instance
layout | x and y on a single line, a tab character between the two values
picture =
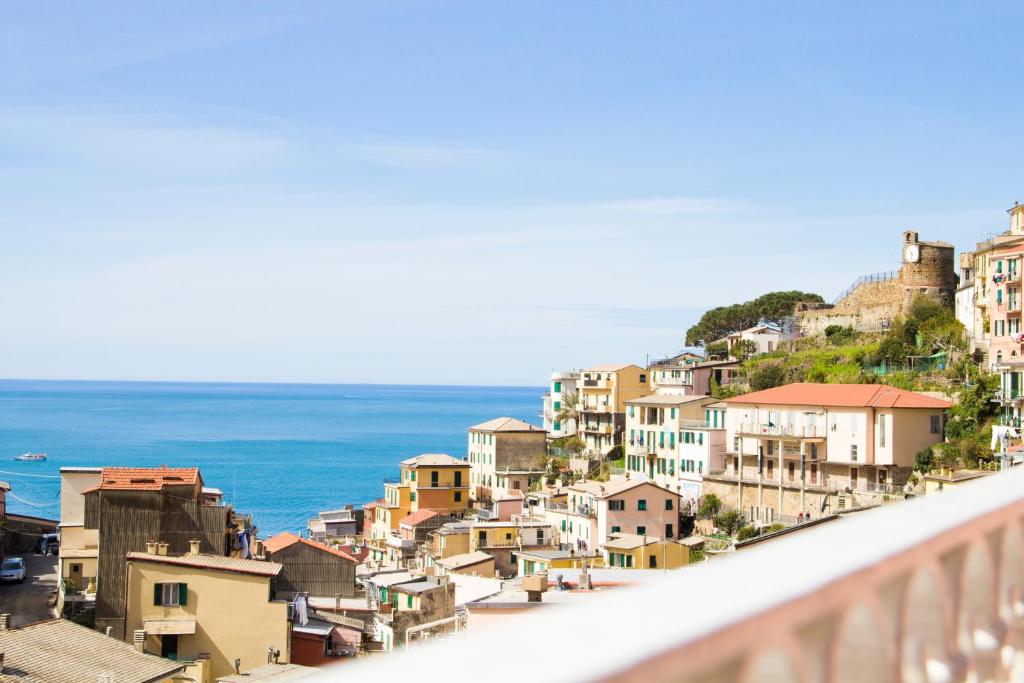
781	414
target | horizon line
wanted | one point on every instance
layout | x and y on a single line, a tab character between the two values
272	383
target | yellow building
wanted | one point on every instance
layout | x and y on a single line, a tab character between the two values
476	563
604	390
934	482
631	551
436	482
79	547
537	561
182	607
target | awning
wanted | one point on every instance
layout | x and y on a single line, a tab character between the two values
169	627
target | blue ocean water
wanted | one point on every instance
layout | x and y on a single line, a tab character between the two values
279	451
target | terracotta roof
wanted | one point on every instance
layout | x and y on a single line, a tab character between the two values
506	424
434	460
59	651
287	539
613	487
145	478
418	517
841	395
215	562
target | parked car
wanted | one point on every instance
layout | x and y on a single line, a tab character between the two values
12	569
49	544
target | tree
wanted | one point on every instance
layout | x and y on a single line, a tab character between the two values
729	521
570	409
744	349
718	349
767	376
710	506
924	460
773	308
837	335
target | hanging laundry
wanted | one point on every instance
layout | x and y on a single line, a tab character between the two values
243	545
300	609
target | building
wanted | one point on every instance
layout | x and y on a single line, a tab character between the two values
538	561
762	339
690	375
604	391
596	510
503	539
560	385
631	551
58	651
126	509
873	301
447	541
432	481
936	482
409	606
336	524
670	442
476	563
79	549
505	455
195	605
310	567
807	448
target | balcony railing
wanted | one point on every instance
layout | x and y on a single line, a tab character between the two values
927	590
801	432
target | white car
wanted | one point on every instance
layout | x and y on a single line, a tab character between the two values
12	569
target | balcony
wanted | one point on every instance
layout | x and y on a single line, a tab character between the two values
802	432
602	409
927	590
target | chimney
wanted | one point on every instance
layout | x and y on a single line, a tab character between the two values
238	666
5	621
109	632
161	549
151	547
193	546
139	640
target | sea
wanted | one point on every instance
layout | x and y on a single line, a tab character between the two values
281	452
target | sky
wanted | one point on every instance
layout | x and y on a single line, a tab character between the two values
471	192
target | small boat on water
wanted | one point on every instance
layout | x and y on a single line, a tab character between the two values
31	457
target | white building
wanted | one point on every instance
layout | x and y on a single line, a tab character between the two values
766	338
560	385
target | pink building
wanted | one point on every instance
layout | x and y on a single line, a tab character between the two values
594	510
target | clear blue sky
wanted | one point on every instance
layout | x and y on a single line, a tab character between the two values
470	193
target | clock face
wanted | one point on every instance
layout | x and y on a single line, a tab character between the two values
911	253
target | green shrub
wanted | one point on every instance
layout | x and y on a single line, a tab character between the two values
746	533
729	521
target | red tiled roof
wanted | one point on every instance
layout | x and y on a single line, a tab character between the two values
286	540
359	555
145	478
841	395
417	517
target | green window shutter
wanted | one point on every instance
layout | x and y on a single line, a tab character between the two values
616	529
414	475
672	440
409	601
182	594
558	406
673	413
558	387
158	593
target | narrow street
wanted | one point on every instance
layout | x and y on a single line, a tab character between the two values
27	602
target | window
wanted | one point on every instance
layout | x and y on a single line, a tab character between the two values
881	430
643	377
631	409
458	496
673	413
652	561
434	475
672	440
616	529
629	560
558	406
616	505
412	496
641	531
170	594
935	424
641	504
558	426
558	387
668	531
408	601
853	452
661	440
412	475
668	503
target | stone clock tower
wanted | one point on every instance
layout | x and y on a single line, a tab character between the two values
927	269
